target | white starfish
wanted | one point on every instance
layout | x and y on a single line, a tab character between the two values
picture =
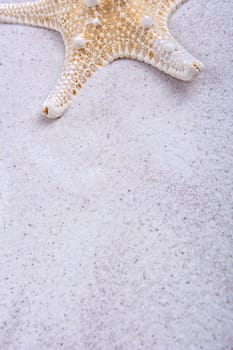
96	32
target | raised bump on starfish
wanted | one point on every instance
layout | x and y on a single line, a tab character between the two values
91	3
97	32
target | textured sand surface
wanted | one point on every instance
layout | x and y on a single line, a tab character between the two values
117	220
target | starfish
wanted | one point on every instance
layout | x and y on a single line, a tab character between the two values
96	32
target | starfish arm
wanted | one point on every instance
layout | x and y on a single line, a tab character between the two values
61	95
78	67
170	57
38	13
165	52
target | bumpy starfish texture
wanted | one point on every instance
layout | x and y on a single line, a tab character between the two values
96	32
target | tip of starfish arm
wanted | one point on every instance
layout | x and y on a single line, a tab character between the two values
51	111
192	70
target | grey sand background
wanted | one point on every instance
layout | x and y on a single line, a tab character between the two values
116	220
